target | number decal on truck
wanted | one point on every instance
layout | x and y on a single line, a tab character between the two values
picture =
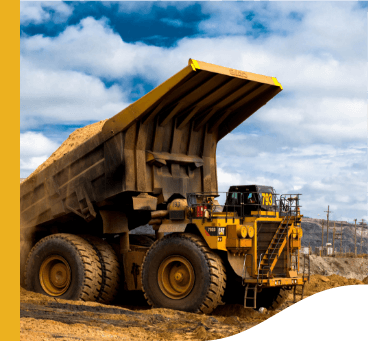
266	199
216	231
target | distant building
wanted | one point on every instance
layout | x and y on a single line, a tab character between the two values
304	250
327	250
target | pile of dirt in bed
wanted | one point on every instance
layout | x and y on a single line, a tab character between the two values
78	137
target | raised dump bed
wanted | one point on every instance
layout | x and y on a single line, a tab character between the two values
161	147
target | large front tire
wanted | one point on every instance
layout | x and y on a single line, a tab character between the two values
64	266
180	272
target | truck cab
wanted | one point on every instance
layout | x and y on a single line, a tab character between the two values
251	198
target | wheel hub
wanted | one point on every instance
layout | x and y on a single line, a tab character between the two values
55	275
176	277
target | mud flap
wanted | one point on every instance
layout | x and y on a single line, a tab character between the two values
237	263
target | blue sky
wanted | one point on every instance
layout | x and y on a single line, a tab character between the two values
82	62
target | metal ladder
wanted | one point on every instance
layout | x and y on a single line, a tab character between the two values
251	295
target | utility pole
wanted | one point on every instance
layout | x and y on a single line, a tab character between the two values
355	249
333	240
361	237
322	240
341	238
328	220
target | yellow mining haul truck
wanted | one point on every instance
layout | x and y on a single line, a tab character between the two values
155	163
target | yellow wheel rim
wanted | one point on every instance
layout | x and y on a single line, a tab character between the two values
55	275
176	277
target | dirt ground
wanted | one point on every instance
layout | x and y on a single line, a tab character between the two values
356	268
44	318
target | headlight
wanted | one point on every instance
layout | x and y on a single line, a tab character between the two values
250	230
242	232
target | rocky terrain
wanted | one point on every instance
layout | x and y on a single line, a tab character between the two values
349	268
312	235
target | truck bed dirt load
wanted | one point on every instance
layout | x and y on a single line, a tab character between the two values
162	145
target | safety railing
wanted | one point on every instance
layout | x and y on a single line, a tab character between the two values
258	268
306	256
289	205
238	205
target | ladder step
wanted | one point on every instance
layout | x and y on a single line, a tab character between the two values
252	298
269	257
265	260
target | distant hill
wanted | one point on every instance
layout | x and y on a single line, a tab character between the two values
312	234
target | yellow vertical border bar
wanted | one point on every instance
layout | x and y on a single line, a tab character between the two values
9	250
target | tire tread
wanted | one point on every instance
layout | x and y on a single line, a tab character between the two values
91	285
110	269
216	266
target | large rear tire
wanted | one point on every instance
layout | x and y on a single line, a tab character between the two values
64	266
180	272
110	269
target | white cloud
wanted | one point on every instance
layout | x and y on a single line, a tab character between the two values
35	144
28	165
65	96
145	7
35	148
172	22
324	118
94	48
311	138
37	12
322	173
321	25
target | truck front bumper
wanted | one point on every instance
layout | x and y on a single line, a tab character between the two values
272	282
